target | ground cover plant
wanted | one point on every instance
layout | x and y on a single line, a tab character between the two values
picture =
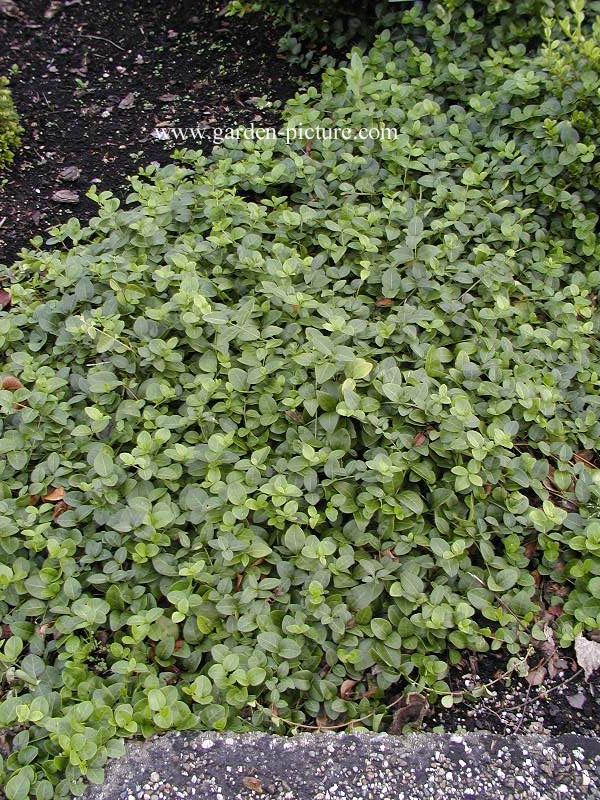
296	426
317	32
9	125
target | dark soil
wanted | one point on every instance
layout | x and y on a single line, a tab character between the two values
93	81
566	703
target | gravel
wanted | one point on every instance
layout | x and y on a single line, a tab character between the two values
327	766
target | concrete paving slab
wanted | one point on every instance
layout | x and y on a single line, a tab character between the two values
329	766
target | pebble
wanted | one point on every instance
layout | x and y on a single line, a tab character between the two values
357	767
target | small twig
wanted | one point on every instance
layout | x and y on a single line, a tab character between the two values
472	286
335	727
103	39
2	221
581	460
349	722
552	689
525	704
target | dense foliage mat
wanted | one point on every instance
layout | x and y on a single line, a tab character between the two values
315	32
298	425
10	130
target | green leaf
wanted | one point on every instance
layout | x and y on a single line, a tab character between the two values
391	282
411	501
156	699
236	494
504	579
412	585
594	587
289	649
102	382
358	368
381	628
19	784
103	462
294	539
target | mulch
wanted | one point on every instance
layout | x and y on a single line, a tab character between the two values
93	79
563	703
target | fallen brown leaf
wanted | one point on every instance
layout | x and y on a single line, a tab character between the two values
536	676
42	630
412	710
556	665
531	548
576	700
346	688
5	299
253	784
65	196
473	663
419	439
548	644
58	510
69	174
128	101
585	457
55	495
587	654
384	302
11	384
322	720
552	663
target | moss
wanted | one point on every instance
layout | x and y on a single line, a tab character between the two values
10	130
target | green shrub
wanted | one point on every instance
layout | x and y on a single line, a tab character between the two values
298	415
10	130
316	31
